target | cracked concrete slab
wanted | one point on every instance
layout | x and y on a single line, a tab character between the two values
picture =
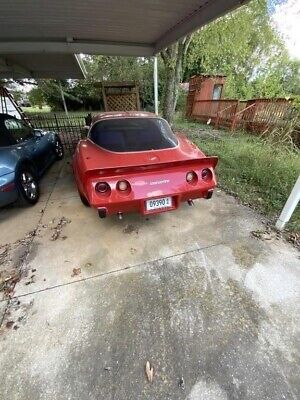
15	222
192	292
91	340
110	244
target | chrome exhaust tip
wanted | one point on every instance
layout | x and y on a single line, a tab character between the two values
120	215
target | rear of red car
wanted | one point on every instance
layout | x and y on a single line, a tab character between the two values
147	181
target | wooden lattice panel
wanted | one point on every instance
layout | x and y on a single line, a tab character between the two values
121	102
121	96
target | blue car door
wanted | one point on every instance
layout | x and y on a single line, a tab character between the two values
36	147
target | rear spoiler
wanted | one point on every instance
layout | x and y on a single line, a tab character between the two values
206	162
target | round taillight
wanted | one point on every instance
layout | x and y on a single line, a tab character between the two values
123	185
206	174
191	176
102	187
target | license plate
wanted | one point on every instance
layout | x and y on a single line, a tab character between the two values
156	204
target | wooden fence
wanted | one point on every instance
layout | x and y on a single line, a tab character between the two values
256	115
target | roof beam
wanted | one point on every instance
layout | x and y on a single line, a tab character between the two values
76	46
206	13
9	67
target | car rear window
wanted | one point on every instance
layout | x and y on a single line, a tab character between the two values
133	134
18	129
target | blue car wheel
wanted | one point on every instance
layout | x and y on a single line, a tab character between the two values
28	186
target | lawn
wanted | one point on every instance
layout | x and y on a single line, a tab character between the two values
258	173
44	109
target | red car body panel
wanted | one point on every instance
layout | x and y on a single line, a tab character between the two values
151	174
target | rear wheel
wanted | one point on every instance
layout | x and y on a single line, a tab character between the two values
28	186
58	149
84	200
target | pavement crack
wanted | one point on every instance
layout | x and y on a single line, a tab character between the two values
116	271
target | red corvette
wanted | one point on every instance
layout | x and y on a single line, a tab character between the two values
132	161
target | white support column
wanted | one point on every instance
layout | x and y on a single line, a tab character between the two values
290	206
63	99
155	80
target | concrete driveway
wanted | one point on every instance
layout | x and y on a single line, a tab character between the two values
214	309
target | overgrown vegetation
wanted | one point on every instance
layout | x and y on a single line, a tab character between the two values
260	173
245	46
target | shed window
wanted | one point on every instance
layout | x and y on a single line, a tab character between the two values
217	92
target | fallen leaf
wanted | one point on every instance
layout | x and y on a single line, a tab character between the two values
9	324
76	271
149	372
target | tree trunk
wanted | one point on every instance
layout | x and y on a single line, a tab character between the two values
169	96
173	58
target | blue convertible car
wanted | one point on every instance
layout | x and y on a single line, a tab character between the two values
25	154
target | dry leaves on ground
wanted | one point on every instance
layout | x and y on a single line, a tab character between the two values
149	370
57	229
76	271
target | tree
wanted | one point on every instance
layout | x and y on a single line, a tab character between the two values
86	93
36	97
244	46
174	62
138	69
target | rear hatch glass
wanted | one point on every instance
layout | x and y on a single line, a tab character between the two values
133	134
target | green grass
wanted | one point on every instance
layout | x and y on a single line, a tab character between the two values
259	173
44	109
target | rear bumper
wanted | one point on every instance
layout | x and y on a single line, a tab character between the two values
8	190
139	205
146	183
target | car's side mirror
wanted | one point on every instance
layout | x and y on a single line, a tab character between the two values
37	133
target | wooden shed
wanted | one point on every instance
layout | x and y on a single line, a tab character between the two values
204	87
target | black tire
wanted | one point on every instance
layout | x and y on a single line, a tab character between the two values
58	149
28	186
84	200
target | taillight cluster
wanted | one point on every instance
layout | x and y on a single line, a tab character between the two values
123	186
191	177
206	175
104	188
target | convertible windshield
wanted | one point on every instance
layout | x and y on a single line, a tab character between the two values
133	134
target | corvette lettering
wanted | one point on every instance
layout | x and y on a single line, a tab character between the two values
160	182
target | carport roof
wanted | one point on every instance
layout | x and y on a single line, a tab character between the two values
40	66
115	27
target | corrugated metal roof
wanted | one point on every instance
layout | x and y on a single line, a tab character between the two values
115	27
